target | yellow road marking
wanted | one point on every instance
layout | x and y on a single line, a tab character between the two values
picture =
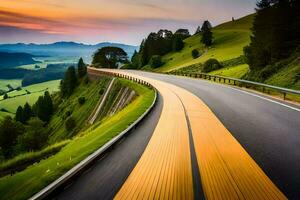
227	170
164	170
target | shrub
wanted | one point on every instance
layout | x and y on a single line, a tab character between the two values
81	100
70	123
156	61
195	53
101	91
211	65
5	96
177	43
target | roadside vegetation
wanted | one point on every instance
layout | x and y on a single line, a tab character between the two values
50	135
37	176
262	47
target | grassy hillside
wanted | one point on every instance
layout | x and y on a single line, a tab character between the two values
13	82
288	76
229	40
39	175
18	98
234	72
79	112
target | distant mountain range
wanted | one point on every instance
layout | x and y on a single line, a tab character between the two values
63	48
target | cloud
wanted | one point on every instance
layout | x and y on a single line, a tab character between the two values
28	22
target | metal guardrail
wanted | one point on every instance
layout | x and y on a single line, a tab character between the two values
84	164
239	82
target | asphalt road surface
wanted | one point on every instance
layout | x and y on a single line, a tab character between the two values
268	130
106	177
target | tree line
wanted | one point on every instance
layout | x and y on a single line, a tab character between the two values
165	41
275	33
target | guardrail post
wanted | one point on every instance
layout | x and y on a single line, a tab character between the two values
284	96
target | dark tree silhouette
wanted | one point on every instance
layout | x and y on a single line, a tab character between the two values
9	131
5	96
69	83
183	33
20	115
27	112
275	33
109	57
81	68
207	35
177	43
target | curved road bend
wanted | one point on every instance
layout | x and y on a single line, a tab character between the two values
106	177
269	132
91	186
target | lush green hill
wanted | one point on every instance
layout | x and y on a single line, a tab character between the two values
229	40
37	176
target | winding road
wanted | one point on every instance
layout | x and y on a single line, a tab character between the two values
202	141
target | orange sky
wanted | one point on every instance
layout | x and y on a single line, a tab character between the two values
93	21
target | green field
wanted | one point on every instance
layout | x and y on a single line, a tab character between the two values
36	90
41	174
44	61
229	40
13	82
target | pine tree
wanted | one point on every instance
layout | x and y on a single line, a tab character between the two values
48	106
69	83
39	108
20	115
81	68
27	112
207	35
258	53
275	33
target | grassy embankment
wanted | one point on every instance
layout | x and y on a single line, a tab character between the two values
37	176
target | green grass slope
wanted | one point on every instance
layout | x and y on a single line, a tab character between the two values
234	72
41	174
229	40
79	112
288	76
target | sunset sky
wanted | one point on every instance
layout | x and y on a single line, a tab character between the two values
94	21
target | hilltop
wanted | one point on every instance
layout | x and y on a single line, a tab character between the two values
229	40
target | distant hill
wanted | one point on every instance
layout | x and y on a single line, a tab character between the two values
63	48
229	40
8	60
